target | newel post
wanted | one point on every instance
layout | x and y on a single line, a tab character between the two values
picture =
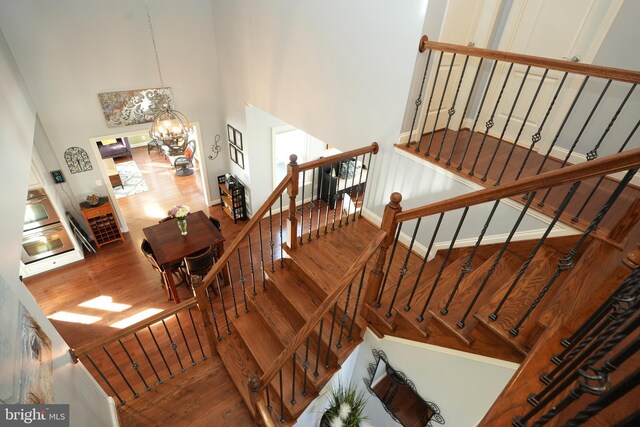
389	225
293	170
632	260
255	394
201	298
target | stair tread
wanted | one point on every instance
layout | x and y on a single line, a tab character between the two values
239	364
297	288
272	306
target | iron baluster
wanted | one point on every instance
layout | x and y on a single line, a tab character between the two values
460	324
264	277
147	357
330	198
475	122
506	124
353	183
195	330
271	237
467	266
407	307
446	258
334	200
135	393
444	92
319	200
269	407
368	169
302	208
433	90
253	276
186	343
418	101
386	274
160	351
313	182
451	111
316	373
355	306
213	317
525	265
344	317
233	291
575	142
355	206
536	137
242	282
593	154
224	308
305	366
333	322
122	402
282	418
281	238
134	365
293	381
464	112
489	123
403	269
174	346
566	262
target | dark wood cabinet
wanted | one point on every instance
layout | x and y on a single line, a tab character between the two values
102	222
232	198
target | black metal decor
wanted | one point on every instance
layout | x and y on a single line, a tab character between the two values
77	160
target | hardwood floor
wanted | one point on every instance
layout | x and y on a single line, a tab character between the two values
119	271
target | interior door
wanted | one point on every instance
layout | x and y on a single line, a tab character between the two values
569	29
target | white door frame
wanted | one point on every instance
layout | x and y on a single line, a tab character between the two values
105	178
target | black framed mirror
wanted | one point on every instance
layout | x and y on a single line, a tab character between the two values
398	394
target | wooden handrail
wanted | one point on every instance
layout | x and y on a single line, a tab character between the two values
101	342
264	414
618	74
599	167
373	148
322	309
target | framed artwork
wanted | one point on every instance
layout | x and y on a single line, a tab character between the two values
233	153
132	107
238	139
234	136
240	158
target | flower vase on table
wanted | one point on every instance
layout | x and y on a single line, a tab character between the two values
180	212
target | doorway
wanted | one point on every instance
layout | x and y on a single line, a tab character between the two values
141	182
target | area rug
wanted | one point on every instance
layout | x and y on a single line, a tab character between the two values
132	180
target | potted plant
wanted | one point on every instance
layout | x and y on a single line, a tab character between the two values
345	407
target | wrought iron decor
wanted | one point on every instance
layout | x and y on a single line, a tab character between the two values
215	148
383	377
77	160
132	107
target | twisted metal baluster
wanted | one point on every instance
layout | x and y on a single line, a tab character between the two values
593	154
134	365
355	306
536	137
344	317
313	182
330	199
524	122
122	402
418	101
264	276
525	265
452	110
475	122
224	308
464	112
305	366
135	393
433	90
353	183
160	351
242	281
195	330
566	262
147	357
460	324
213	316
319	201
444	92
316	373
506	124
467	266
282	418
302	209
335	201
575	142
174	346
386	274
407	307
233	291
293	381
273	269
253	276
281	238
489	124
403	270
355	210
333	322
184	337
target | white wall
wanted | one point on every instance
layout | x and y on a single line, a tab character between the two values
72	383
462	385
70	50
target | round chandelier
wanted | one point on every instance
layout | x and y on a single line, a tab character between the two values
170	126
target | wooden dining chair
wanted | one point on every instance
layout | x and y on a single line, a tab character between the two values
199	264
146	249
216	223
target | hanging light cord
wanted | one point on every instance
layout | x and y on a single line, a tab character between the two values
153	39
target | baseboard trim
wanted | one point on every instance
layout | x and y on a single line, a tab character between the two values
113	409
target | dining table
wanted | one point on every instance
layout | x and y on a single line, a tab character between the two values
170	247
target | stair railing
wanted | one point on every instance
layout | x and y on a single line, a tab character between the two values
137	356
260	245
473	126
423	293
344	303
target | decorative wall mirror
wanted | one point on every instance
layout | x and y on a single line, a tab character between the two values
398	394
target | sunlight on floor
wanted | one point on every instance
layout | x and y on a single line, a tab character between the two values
65	316
135	318
106	303
154	211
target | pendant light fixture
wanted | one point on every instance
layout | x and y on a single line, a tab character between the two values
169	126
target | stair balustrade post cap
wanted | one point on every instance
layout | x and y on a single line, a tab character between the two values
293	159
376	147
395	198
254	384
424	39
